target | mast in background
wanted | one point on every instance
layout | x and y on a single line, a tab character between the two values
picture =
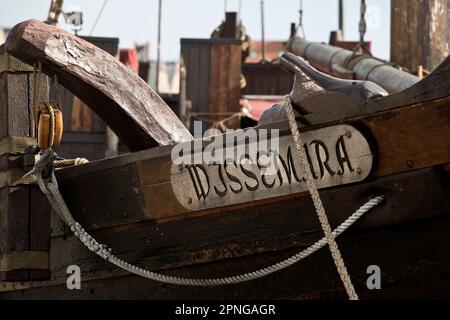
158	55
420	34
341	17
263	42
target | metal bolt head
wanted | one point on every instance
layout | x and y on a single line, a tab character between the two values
358	170
348	134
410	164
180	167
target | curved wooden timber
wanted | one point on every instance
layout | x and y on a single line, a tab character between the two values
138	116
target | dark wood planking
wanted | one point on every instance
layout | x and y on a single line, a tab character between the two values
14	227
411	137
39	229
244	232
126	200
263	229
17	232
266	79
213	68
413	260
204	54
434	86
128	105
14	217
230	25
14	97
224	86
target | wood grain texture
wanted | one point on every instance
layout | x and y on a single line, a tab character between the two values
128	105
419	33
81	116
242	240
14	227
24	211
412	257
212	70
403	140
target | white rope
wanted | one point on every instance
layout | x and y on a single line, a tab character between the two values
104	252
320	210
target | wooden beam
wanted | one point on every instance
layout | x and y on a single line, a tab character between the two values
244	240
124	101
230	25
24	211
419	33
139	185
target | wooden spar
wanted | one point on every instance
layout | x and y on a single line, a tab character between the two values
419	33
334	60
138	116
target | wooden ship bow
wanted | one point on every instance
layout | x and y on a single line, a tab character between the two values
363	137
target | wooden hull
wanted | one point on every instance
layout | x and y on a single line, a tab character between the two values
407	237
128	203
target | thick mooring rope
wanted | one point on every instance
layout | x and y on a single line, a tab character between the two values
335	252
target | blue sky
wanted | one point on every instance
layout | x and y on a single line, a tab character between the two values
136	20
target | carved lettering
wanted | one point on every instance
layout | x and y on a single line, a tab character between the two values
332	159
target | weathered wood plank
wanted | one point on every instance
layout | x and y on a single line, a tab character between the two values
128	105
21	240
243	231
419	33
264	229
403	138
212	70
14	224
421	272
39	230
338	155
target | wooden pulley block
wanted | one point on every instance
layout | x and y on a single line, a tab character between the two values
49	132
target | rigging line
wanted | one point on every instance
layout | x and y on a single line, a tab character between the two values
362	26
158	51
98	17
300	21
239	11
263	42
341	16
